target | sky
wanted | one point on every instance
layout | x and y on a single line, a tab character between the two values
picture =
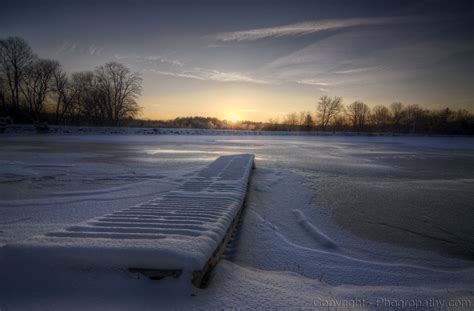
255	60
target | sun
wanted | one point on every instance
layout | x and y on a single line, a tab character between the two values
233	119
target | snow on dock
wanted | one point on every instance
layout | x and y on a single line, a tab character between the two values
182	232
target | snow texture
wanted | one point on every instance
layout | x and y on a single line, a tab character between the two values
178	231
277	259
313	231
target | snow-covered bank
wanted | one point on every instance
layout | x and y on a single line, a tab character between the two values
233	287
28	129
280	258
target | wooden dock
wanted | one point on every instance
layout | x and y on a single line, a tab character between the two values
181	234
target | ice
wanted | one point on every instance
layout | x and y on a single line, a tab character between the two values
343	187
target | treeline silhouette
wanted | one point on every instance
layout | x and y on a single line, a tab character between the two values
35	90
332	115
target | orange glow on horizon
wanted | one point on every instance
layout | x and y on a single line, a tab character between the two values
231	103
233	119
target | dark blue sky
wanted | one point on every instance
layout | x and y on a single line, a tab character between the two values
257	60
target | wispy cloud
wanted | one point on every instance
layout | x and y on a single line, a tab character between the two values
175	74
69	47
128	56
314	82
356	70
209	75
150	59
94	50
164	59
304	28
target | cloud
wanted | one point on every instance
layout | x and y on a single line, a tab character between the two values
94	50
163	59
150	59
209	75
365	58
68	47
305	28
356	70
175	74
130	56
314	82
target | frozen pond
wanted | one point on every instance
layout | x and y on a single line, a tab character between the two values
415	192
355	201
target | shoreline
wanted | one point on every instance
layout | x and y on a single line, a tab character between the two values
29	129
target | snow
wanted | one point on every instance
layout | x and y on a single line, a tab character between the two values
313	231
306	194
147	235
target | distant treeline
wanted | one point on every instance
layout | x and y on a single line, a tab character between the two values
332	115
35	90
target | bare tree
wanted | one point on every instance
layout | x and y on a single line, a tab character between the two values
327	109
397	114
272	124
66	94
37	84
302	118
414	115
15	56
118	90
60	81
463	120
84	84
3	103
380	116
358	113
291	120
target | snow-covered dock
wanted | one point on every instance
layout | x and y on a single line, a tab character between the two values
181	233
